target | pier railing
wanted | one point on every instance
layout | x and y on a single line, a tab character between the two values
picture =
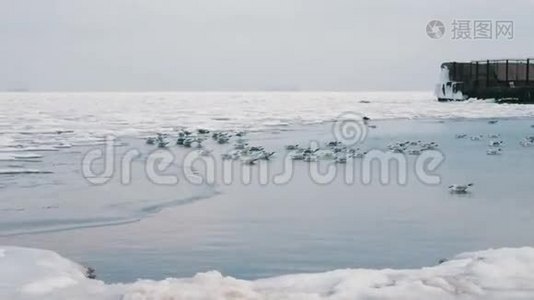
515	72
497	78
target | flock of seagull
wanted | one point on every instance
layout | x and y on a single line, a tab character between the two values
333	150
494	145
241	149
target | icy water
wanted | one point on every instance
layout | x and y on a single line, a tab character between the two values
145	230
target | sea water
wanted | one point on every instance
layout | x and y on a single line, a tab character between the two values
259	230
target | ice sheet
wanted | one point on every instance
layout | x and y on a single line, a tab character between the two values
44	121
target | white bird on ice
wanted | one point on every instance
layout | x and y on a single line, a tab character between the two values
459	189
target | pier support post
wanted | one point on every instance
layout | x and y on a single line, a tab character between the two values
476	74
528	71
507	71
487	73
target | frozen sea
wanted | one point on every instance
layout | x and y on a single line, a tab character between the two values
33	119
250	231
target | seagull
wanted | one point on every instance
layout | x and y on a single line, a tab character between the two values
162	144
459	189
495	143
333	144
310	158
494	151
292	147
297	156
199	142
161	141
223	138
431	146
250	160
187	142
184	133
240	146
310	150
414	152
241	140
326	155
360	154
255	148
205	152
341	160
264	155
339	149
397	150
527	142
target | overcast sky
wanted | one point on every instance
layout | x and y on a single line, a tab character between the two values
161	45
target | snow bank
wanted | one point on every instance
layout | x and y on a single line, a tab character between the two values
40	274
493	274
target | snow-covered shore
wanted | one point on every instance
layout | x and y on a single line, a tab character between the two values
506	273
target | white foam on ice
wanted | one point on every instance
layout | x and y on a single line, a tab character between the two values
445	89
41	121
15	171
6	156
27	156
506	273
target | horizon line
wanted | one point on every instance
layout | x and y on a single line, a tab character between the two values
208	91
